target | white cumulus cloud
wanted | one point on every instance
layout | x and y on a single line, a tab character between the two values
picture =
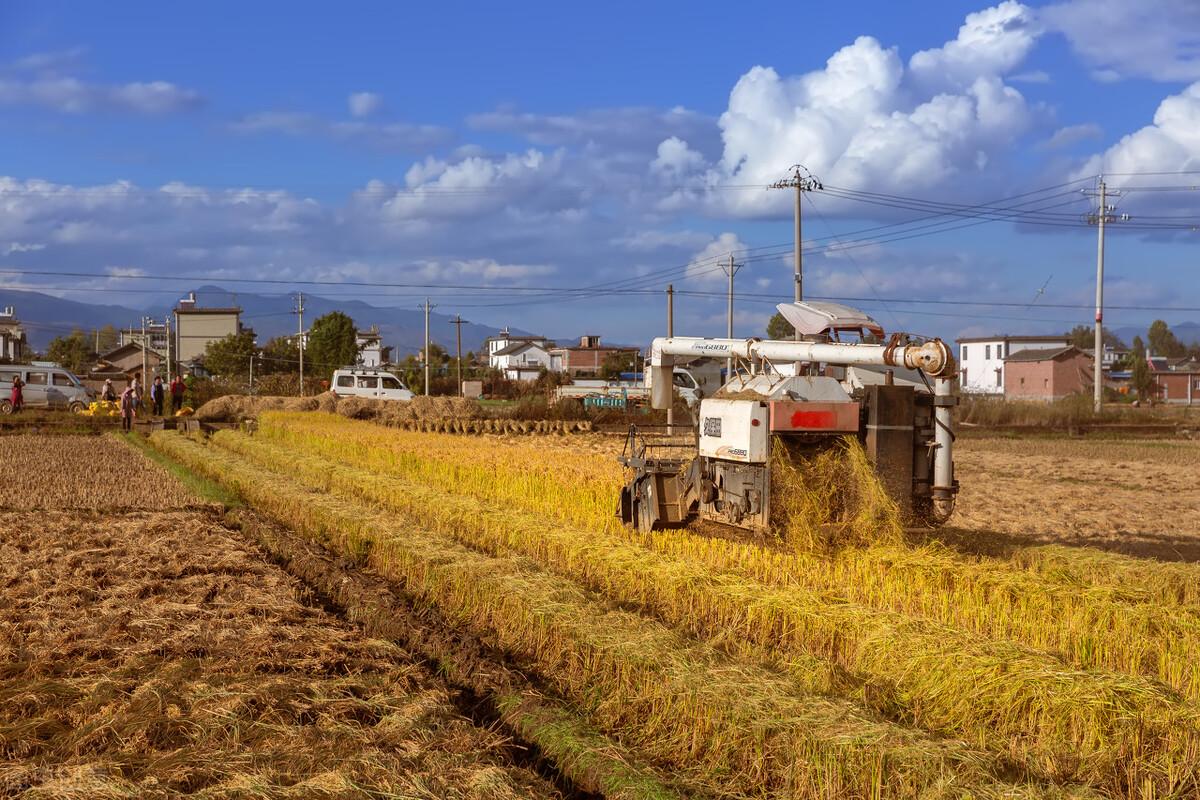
864	121
364	104
705	265
1157	39
1171	143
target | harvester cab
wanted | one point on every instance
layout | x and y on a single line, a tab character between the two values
795	398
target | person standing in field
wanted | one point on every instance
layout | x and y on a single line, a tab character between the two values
108	394
129	401
18	396
158	393
178	387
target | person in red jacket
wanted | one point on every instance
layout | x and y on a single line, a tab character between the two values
178	387
18	396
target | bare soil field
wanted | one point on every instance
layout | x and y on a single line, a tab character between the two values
156	653
1135	496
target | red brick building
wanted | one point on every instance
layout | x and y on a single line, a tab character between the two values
1047	374
1175	380
588	357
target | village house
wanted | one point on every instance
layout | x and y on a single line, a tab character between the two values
1175	380
12	337
1041	374
371	350
196	327
588	357
981	359
519	358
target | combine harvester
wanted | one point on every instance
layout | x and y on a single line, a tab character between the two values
895	397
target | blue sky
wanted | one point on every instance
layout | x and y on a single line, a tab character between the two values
556	145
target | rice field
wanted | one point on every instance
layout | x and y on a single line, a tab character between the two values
900	667
1042	646
81	471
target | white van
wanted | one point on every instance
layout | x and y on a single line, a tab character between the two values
45	387
363	382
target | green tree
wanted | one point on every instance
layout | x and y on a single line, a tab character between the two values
1140	378
230	357
281	355
107	338
332	343
616	363
779	328
73	352
1163	341
1084	337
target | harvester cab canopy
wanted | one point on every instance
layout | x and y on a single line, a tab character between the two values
811	318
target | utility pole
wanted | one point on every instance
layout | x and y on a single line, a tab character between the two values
802	181
428	306
1102	216
167	332
251	373
731	269
458	323
300	337
671	378
144	368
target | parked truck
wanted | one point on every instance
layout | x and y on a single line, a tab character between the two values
693	383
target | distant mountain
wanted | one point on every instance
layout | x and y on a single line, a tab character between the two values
46	316
1186	332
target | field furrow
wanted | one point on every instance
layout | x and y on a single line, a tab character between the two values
742	726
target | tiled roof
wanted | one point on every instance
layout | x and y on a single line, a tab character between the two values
1042	355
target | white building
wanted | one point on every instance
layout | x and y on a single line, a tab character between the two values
521	360
504	351
12	336
981	359
1112	355
371	350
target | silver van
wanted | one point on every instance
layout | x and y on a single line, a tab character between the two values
45	387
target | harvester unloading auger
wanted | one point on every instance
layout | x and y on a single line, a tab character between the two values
895	397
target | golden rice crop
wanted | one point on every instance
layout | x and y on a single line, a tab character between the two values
81	471
1121	627
746	728
1066	723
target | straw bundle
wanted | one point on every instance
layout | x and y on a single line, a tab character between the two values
830	497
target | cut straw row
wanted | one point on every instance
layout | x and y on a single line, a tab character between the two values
744	729
1089	627
1057	722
